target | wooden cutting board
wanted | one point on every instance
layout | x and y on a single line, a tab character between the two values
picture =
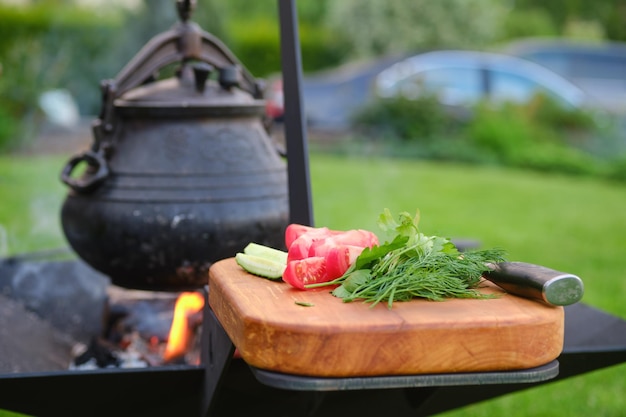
336	339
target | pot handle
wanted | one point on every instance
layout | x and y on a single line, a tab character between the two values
97	171
185	42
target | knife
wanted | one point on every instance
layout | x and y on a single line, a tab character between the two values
538	282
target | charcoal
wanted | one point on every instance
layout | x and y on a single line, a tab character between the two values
28	343
67	293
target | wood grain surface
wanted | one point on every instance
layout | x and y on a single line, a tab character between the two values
335	339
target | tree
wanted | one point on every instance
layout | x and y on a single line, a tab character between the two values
608	15
375	27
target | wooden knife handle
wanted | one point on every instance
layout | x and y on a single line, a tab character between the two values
537	282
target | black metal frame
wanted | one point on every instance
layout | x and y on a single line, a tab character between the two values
300	201
226	386
223	386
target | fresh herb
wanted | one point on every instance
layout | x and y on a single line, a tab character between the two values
304	304
413	265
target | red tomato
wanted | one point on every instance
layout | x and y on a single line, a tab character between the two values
339	259
294	231
300	248
361	238
358	237
306	271
319	254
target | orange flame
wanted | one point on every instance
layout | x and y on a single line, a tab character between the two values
181	335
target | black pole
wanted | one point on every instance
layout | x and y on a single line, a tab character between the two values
300	206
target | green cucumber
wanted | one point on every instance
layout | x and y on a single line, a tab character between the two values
266	252
260	266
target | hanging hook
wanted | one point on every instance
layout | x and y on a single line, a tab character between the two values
185	8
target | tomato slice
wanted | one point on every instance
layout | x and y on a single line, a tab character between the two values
319	254
300	247
339	259
357	237
360	238
306	271
316	269
294	231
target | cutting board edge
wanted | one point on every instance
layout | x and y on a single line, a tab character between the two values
267	356
262	354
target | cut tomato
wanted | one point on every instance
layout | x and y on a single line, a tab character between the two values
300	247
316	269
357	237
360	238
339	259
319	254
306	271
294	231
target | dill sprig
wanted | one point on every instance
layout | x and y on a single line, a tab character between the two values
413	265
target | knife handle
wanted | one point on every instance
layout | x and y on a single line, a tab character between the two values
538	282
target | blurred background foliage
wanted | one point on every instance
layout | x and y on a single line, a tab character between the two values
72	44
540	135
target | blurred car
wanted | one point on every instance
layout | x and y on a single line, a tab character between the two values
330	96
599	68
460	79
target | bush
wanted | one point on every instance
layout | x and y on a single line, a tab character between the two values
374	27
550	113
258	46
540	135
402	118
46	46
535	135
8	128
513	141
617	169
530	22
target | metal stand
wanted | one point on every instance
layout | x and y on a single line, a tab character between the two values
300	202
304	383
229	387
593	340
216	358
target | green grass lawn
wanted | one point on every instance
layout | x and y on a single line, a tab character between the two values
576	225
30	202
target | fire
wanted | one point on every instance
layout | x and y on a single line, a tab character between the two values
181	334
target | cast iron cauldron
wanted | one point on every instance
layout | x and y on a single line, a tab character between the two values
181	172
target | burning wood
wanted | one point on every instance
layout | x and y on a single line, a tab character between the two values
185	321
101	353
144	329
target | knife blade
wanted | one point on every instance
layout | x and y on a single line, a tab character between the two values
538	282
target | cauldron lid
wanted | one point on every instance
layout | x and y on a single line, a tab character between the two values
179	96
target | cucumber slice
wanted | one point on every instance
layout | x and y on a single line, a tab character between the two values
266	252
262	267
